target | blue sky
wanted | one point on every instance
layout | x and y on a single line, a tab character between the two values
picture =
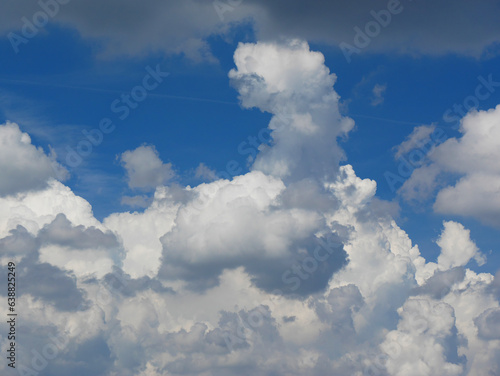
64	81
194	117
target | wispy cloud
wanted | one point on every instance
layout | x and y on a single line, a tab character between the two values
378	92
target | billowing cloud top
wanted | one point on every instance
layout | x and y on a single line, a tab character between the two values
294	268
293	84
23	167
474	158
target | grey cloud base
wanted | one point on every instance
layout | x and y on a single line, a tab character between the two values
464	27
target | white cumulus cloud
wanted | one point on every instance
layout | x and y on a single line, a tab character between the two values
294	268
145	168
23	166
473	157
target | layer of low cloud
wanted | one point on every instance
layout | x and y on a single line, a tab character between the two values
184	26
293	268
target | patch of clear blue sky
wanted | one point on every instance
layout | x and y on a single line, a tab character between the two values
56	87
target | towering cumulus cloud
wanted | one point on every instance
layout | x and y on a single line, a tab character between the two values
294	85
294	268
